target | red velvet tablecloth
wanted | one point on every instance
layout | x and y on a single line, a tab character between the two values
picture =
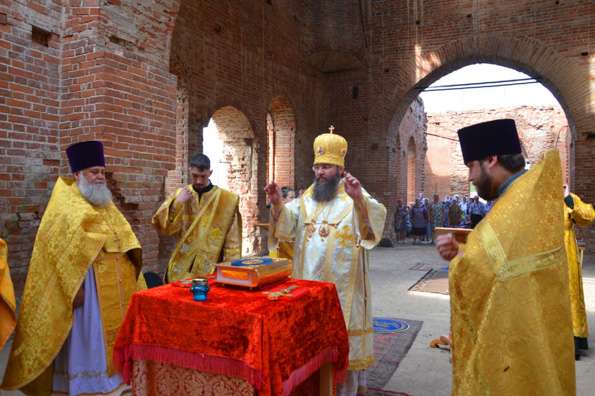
272	344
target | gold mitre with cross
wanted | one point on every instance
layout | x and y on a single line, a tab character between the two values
330	148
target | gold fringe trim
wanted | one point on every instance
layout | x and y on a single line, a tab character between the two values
360	332
361	364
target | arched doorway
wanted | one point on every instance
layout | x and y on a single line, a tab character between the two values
229	142
281	143
539	118
546	133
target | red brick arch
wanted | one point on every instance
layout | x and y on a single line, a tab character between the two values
281	128
238	165
563	77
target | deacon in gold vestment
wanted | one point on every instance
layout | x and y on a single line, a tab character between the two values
576	212
83	271
334	224
7	299
510	312
207	220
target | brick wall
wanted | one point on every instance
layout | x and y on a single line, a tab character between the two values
412	156
540	129
411	44
147	76
116	91
252	57
29	121
65	76
283	139
238	166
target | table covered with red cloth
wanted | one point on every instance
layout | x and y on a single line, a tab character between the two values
272	344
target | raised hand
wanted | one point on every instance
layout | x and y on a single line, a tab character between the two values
353	187
184	195
274	193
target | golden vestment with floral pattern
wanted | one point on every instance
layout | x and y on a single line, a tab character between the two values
332	240
73	235
210	230
7	298
582	215
282	250
510	311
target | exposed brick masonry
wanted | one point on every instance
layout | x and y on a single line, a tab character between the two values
540	129
145	76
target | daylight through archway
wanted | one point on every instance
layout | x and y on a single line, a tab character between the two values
229	142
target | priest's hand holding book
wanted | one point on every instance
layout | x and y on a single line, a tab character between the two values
447	246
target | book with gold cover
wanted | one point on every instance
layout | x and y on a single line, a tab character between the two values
253	271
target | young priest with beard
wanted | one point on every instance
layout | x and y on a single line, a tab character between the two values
335	222
83	271
511	327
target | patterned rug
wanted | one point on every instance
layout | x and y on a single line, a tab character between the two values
392	340
433	281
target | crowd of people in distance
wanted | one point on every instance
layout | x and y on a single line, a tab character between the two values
417	220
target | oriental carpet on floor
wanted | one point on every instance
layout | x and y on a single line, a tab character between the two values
392	340
433	281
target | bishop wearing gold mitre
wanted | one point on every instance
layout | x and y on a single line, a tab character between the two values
83	271
510	312
335	222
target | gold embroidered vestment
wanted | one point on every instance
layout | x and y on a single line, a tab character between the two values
510	311
331	244
209	230
73	235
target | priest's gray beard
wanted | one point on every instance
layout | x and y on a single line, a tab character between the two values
96	193
326	190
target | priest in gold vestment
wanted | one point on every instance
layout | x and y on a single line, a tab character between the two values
207	221
7	298
334	224
510	312
576	213
83	271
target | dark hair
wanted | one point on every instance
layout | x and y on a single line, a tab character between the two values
284	191
201	161
512	162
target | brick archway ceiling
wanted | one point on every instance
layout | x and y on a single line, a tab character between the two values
229	118
331	61
560	75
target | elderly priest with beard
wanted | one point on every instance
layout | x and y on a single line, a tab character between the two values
83	271
334	223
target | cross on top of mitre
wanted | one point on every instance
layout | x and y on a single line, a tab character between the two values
331	129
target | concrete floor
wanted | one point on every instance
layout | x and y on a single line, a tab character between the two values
426	371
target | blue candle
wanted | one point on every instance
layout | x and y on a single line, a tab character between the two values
199	289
